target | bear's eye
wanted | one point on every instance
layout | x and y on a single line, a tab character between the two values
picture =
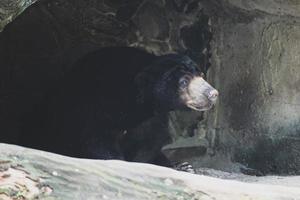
183	82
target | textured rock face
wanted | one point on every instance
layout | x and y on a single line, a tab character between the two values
274	7
9	9
255	65
257	69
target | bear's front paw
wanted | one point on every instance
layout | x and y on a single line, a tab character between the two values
185	167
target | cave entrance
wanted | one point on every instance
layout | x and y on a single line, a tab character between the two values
252	49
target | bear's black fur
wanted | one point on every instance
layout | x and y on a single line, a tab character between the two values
107	93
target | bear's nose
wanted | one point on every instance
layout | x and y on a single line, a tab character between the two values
213	95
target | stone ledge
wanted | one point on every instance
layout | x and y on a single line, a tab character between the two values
27	173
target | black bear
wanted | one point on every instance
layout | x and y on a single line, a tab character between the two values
110	91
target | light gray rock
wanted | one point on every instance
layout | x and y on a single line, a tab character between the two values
28	174
256	68
10	9
275	7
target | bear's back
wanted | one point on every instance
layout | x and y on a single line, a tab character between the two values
95	97
118	62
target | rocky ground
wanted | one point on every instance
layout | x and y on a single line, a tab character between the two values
31	174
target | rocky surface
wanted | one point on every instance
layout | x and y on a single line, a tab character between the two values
32	174
10	9
274	7
255	59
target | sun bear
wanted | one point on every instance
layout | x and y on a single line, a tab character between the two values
110	91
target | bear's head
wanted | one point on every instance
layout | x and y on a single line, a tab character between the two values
175	82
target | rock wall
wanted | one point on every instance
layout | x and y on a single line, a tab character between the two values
256	67
10	9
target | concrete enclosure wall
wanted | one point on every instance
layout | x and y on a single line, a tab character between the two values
256	67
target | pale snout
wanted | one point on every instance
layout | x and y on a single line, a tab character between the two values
202	96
